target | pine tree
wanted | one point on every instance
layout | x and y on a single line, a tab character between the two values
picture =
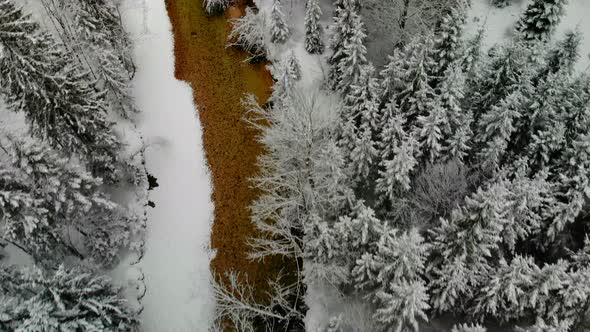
354	58
472	53
457	124
503	75
466	244
61	103
540	19
293	67
403	305
406	80
563	56
279	29
495	129
314	42
105	49
49	197
343	28
448	36
430	133
65	300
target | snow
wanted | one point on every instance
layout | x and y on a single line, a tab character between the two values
175	265
499	22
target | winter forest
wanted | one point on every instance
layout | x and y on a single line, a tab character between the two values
295	165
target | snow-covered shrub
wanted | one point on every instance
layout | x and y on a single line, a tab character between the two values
216	6
250	33
63	300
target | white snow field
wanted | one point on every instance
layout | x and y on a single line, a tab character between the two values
176	261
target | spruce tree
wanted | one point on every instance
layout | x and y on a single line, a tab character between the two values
105	48
354	59
540	19
64	300
495	129
279	30
314	42
47	197
343	27
448	36
293	67
472	53
61	103
430	133
406	80
563	55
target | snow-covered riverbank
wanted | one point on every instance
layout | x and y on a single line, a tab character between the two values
177	256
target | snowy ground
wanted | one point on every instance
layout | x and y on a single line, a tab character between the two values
176	262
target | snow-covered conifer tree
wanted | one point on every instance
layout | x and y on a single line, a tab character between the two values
495	128
464	245
314	43
403	305
61	102
448	36
472	52
354	58
67	299
540	19
430	132
293	67
279	30
345	20
50	197
500	76
406	80
564	55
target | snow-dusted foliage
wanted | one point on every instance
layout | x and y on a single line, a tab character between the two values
314	42
93	31
279	30
250	33
347	23
540	19
461	179
216	6
393	23
468	328
62	103
46	200
62	300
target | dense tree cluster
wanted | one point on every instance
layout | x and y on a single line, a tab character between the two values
454	181
69	78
